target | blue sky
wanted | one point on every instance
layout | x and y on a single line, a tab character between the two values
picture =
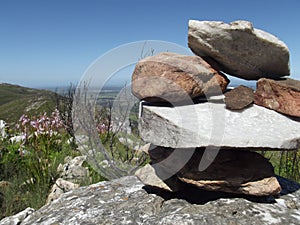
53	42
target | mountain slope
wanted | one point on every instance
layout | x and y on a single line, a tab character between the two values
16	100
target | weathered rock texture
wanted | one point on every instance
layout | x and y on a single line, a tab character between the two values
170	77
239	98
72	173
211	124
61	186
125	201
280	95
73	170
240	49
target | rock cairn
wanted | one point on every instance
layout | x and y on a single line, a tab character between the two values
206	135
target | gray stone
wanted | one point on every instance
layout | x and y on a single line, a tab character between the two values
72	170
240	49
125	201
149	177
211	124
239	98
18	218
61	186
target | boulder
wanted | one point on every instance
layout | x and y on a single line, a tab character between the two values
211	124
149	177
239	98
280	95
61	186
240	49
171	77
233	171
127	201
18	218
73	170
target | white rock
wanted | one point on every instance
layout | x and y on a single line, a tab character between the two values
211	124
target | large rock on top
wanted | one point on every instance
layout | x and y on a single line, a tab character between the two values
170	77
240	49
280	95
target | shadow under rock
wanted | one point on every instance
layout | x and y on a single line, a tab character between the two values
194	195
288	186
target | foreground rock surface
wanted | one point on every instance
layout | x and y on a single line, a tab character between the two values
240	49
280	95
211	124
125	201
171	77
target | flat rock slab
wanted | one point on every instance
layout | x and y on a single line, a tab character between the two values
211	124
280	95
240	49
125	201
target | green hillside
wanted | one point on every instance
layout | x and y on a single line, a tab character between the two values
16	100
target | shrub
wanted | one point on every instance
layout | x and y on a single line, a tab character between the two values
29	157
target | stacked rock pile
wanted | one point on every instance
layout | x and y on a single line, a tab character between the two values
206	135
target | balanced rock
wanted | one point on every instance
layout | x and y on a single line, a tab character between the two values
240	49
280	95
239	98
234	171
211	124
170	77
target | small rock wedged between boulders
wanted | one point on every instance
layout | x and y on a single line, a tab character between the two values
240	49
280	95
171	77
239	98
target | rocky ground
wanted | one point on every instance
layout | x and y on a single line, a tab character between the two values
128	201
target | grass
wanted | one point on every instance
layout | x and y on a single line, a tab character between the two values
285	163
16	100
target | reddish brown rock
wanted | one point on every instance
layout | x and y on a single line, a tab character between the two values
239	98
171	77
280	95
